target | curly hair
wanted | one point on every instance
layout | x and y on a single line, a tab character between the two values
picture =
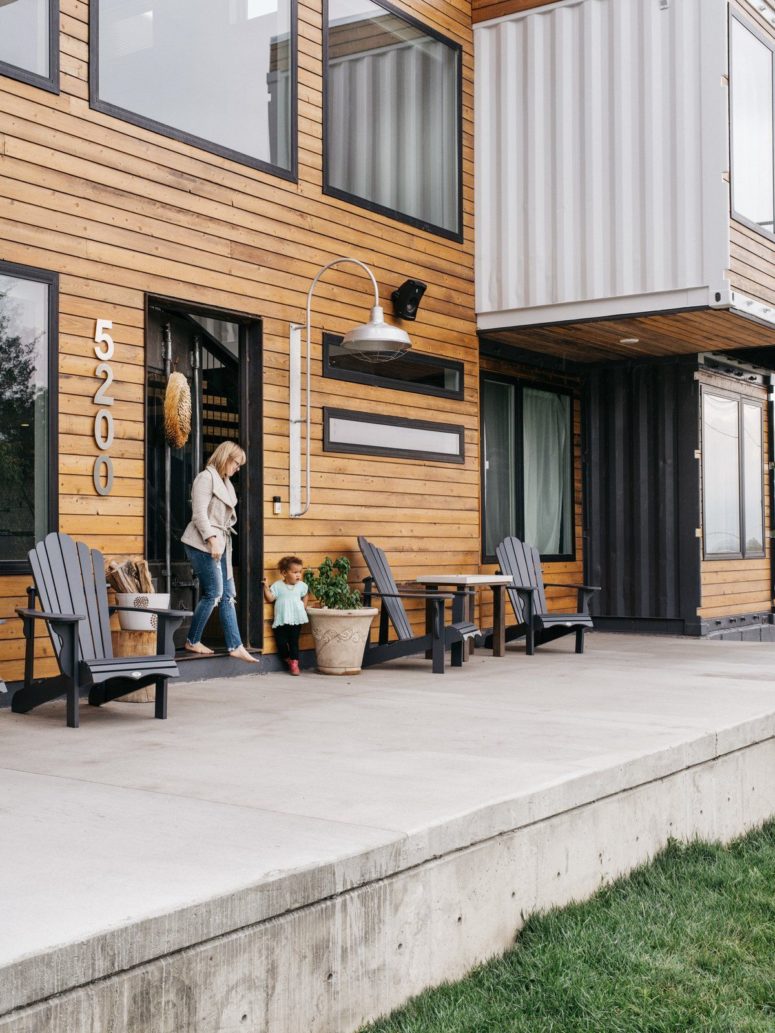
287	562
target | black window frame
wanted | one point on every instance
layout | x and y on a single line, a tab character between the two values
392	421
373	206
770	44
519	384
125	115
25	272
48	82
331	340
742	400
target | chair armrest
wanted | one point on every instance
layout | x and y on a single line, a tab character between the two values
415	595
522	588
149	609
561	584
65	618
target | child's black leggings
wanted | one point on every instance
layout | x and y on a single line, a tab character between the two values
287	638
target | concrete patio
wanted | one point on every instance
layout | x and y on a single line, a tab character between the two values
287	855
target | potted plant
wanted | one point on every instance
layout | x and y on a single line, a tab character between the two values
340	625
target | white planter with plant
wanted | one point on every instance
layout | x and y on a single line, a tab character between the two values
340	625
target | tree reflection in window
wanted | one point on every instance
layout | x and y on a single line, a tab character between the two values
24	417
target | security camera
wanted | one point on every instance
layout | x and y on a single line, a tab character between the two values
407	297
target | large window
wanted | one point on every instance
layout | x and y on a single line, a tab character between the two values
392	121
527	461
29	47
733	487
27	417
218	75
752	119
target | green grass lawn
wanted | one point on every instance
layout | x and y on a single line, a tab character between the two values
685	944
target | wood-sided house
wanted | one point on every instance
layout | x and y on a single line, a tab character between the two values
173	175
625	242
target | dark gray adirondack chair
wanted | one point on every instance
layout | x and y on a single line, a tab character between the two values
439	636
70	583
528	599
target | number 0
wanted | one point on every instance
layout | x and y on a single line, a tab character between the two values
103	463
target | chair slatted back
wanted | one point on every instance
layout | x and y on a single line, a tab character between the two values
523	563
70	578
379	568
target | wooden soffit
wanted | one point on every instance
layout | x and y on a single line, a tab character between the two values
483	10
668	334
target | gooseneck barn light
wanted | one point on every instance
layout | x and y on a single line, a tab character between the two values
375	341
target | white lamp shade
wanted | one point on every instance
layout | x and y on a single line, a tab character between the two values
376	336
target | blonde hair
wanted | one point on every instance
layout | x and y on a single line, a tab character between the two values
223	455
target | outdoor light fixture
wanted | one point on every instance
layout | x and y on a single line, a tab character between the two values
375	341
407	298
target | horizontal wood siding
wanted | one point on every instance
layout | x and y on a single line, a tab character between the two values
120	212
738	586
570	571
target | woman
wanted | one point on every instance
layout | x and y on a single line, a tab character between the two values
207	540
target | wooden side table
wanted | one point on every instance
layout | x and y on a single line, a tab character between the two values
461	583
135	643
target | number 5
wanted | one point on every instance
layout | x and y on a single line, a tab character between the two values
101	337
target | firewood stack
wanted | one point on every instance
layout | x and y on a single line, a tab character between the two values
133	575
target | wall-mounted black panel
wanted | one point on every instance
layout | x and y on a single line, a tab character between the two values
642	492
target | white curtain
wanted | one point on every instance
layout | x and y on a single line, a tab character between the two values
547	470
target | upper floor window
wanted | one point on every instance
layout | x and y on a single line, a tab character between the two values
27	411
752	120
527	460
29	41
217	75
733	472
392	116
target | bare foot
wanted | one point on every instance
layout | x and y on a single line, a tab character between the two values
240	653
197	647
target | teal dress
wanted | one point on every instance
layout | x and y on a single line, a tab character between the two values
288	607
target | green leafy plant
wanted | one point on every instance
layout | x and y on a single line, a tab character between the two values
329	585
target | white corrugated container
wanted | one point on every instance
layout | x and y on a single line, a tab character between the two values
601	160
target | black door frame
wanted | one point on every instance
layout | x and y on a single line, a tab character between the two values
250	511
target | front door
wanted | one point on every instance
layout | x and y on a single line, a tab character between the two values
216	352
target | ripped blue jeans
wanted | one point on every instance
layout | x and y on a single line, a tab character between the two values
216	590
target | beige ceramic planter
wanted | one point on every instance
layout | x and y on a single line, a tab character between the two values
340	638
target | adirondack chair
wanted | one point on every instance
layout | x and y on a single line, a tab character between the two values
528	599
439	636
70	584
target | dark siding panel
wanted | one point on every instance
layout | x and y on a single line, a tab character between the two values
642	490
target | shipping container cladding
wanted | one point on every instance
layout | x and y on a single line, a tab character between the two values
625	241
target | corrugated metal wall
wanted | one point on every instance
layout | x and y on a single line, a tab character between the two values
642	490
600	152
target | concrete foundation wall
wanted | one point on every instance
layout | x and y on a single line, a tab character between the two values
333	965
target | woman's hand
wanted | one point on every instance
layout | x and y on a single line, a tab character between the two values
215	550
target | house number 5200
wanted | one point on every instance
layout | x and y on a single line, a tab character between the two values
103	421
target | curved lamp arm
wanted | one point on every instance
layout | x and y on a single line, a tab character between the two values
308	376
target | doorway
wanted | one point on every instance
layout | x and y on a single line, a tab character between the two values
216	352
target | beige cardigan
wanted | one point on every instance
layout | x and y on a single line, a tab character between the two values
213	513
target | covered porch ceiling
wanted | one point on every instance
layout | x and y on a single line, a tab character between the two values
661	335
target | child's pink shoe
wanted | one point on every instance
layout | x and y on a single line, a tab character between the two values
293	667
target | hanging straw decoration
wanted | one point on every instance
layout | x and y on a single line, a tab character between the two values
177	411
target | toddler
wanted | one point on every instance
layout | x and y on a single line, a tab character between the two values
289	596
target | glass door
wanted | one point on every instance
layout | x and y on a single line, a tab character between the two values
211	350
